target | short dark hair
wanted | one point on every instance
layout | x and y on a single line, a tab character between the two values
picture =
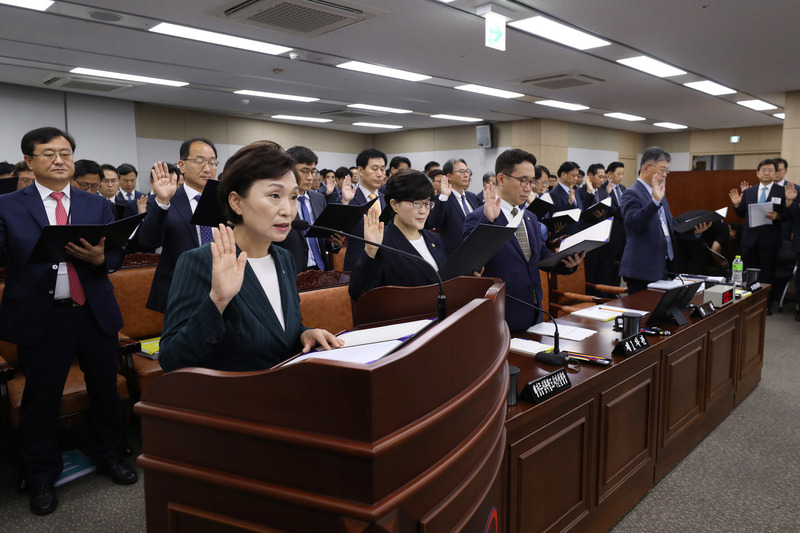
567	167
779	160
429	165
506	161
362	160
397	160
6	167
408	184
87	166
22	166
593	168
540	169
303	155
256	161
655	154
127	168
42	136
581	172
171	169
614	166
187	146
107	166
435	172
488	175
448	166
342	172
766	162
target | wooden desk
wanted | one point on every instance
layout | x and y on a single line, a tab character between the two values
581	460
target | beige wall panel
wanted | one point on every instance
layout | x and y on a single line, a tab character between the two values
455	138
213	127
762	139
791	151
402	142
242	131
592	137
671	142
549	156
631	170
526	133
503	134
630	145
751	161
710	142
792	109
157	122
555	133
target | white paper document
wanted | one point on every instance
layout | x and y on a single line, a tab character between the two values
362	354
598	232
384	333
757	214
574	214
570	333
605	313
529	347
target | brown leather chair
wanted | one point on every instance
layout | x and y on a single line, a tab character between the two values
569	293
325	300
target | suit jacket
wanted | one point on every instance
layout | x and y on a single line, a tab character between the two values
28	296
617	238
448	218
355	249
170	229
122	207
247	336
521	277
793	217
768	236
298	245
561	199
646	249
394	269
588	199
136	195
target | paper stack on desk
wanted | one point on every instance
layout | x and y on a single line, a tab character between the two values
528	347
570	333
605	313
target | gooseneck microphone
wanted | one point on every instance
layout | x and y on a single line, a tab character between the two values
441	301
557	357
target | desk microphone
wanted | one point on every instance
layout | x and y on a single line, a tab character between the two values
558	357
727	264
441	302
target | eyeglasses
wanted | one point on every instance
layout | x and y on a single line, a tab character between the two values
88	186
308	171
463	171
419	204
51	156
524	181
663	171
202	161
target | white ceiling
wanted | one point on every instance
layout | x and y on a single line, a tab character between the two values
744	45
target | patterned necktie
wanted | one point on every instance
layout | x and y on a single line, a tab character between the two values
377	205
522	236
313	244
615	190
763	197
464	204
663	218
206	234
75	287
130	196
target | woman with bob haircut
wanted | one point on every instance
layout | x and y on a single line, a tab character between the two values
242	313
408	204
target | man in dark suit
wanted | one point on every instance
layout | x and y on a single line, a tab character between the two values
167	224
109	186
54	312
371	167
127	182
488	177
648	221
760	244
565	195
516	261
589	191
608	270
308	254
453	204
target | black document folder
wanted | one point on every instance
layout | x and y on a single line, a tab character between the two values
603	207
541	206
476	250
8	185
584	241
689	225
208	211
340	217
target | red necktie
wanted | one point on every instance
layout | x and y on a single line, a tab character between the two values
75	287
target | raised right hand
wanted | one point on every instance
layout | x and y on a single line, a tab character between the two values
736	197
163	184
373	231
227	271
348	190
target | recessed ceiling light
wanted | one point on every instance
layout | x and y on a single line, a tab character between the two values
379	108
458	118
38	5
358	66
277	96
758	105
624	116
302	119
127	77
670	125
709	87
562	105
489	91
651	66
374	125
218	38
781	116
560	33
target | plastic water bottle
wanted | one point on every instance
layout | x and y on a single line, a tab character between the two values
737	268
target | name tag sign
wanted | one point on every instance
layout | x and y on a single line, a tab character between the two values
704	310
631	345
755	286
545	387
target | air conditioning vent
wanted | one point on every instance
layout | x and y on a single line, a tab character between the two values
309	18
81	84
557	82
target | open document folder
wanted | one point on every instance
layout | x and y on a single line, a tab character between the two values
757	213
477	249
583	241
711	216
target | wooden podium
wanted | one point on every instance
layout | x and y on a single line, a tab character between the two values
412	442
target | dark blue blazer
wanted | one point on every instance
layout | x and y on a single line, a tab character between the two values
247	336
394	269
171	230
617	226
136	195
768	236
646	248
448	218
122	207
355	249
521	278
561	199
298	245
28	295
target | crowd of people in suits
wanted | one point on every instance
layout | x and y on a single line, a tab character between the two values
228	293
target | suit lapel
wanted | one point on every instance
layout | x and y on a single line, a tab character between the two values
254	298
181	201
33	203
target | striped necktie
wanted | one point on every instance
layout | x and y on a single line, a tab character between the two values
522	236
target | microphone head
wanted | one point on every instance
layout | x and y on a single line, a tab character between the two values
299	224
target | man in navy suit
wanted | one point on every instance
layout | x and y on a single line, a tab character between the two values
127	182
453	204
109	186
167	223
54	312
308	254
648	221
565	195
371	165
608	270
516	261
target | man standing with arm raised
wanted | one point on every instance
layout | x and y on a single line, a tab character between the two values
372	169
453	204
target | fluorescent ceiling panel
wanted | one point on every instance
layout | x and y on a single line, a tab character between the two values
562	105
781	116
670	125
127	77
709	87
489	91
560	33
624	116
205	36
277	96
758	105
301	119
457	118
374	125
38	5
367	68
651	66
370	107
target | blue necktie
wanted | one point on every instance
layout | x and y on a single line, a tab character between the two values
467	210
662	216
763	197
312	243
206	235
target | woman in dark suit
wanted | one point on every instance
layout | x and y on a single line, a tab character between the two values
242	313
408	195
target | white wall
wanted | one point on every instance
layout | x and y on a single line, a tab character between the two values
104	129
585	157
23	109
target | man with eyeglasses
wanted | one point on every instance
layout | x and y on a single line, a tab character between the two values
85	173
650	250
453	204
128	176
24	174
167	224
57	311
308	254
